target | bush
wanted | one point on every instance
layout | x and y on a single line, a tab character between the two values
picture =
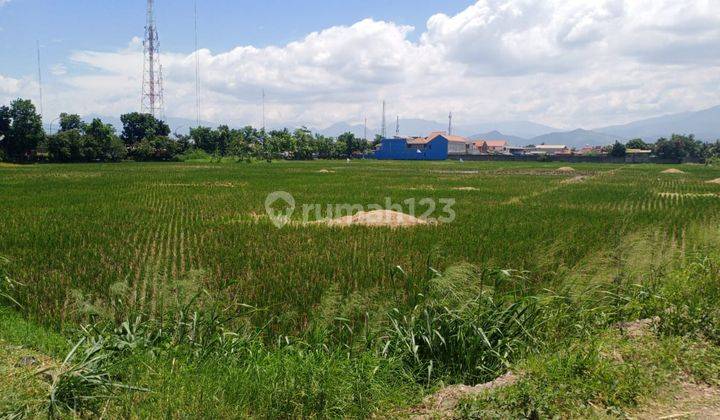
194	155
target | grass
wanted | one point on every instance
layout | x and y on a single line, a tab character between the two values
170	284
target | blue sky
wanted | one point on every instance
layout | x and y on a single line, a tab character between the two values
566	63
68	25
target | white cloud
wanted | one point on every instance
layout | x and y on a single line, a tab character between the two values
562	62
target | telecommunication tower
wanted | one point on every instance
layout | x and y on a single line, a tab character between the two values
152	88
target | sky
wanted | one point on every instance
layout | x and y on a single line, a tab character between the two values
565	63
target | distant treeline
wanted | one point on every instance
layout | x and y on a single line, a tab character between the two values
145	138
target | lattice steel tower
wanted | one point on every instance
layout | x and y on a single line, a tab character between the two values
152	88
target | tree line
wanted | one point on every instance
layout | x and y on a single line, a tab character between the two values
146	138
677	147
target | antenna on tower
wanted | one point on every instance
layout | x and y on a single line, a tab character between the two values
263	110
39	77
197	68
152	88
450	123
383	129
397	126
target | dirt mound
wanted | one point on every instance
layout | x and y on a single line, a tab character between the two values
442	403
377	218
574	180
565	169
672	171
713	181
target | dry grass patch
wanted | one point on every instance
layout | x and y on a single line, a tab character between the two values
565	169
465	189
672	171
713	181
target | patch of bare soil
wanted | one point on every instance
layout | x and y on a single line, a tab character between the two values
465	189
689	401
713	181
565	169
456	172
376	218
442	403
574	180
672	171
639	328
219	184
326	171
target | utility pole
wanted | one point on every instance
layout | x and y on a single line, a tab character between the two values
365	130
450	124
152	88
263	110
383	128
397	126
39	77
197	68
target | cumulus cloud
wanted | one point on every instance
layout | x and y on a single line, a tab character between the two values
562	62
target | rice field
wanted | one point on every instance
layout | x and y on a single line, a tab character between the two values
83	239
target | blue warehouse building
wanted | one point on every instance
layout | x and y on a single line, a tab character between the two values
435	147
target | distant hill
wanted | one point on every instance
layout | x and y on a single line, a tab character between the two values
496	135
575	138
705	124
420	127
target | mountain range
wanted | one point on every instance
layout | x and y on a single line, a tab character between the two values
705	124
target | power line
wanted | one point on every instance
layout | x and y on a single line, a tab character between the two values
39	77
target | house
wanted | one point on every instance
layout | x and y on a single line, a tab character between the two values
491	147
551	149
457	145
591	151
638	152
413	148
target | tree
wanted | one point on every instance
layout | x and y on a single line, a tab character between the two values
618	150
70	122
66	146
21	128
325	146
638	144
305	144
204	138
101	143
348	145
137	127
678	147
